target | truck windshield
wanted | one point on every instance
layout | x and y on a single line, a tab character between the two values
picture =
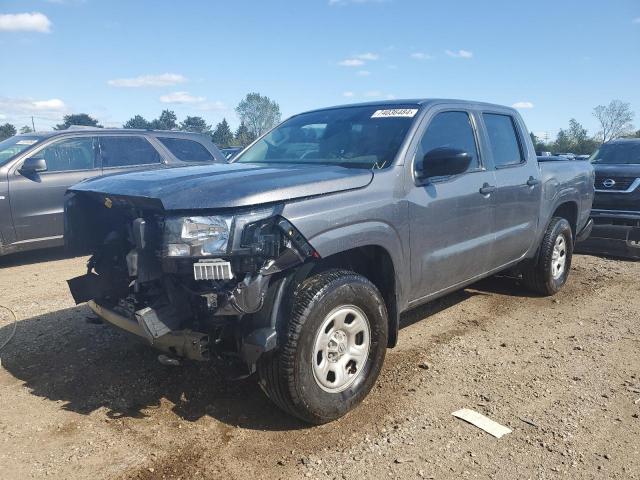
12	146
362	137
617	153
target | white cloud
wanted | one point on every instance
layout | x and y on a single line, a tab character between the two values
19	110
347	94
25	22
351	62
364	73
216	105
28	105
522	105
200	103
163	80
181	97
54	104
368	56
459	53
421	56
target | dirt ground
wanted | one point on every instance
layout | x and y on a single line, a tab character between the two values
79	400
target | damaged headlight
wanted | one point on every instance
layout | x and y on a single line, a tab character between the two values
196	236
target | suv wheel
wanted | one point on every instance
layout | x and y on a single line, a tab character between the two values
333	349
550	270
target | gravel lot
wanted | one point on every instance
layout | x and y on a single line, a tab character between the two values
80	400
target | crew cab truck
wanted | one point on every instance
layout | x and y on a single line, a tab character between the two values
616	206
299	257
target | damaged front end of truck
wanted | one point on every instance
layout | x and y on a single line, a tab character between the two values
207	285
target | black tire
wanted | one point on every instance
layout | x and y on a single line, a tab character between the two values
539	275
287	375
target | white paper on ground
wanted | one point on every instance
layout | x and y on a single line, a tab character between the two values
482	422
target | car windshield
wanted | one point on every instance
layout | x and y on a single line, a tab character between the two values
363	137
617	153
12	146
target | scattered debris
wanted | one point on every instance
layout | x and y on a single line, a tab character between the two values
529	422
169	361
482	422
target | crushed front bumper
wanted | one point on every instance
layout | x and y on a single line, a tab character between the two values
183	343
615	233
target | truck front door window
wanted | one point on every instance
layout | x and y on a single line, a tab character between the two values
450	130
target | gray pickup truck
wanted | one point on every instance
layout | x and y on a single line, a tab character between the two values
299	257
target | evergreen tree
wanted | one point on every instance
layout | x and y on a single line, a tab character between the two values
166	121
222	135
77	119
243	136
138	122
195	124
7	130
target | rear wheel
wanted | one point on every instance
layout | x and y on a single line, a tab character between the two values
333	350
549	272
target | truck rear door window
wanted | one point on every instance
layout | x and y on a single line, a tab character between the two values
127	152
503	139
187	150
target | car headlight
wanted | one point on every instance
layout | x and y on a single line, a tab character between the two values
196	236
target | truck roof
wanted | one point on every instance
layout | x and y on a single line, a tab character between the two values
417	101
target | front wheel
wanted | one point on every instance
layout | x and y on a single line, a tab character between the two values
334	347
549	272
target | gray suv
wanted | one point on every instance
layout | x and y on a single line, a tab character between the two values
300	255
36	169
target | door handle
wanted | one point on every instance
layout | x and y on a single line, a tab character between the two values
487	189
532	182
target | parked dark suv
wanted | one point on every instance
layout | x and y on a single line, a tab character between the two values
36	169
616	207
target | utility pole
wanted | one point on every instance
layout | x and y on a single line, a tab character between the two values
33	125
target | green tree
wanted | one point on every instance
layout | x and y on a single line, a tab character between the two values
138	122
7	130
82	119
26	129
538	145
615	120
243	136
195	124
166	121
222	135
582	144
563	142
258	113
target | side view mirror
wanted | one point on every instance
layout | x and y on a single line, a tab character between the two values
34	164
443	162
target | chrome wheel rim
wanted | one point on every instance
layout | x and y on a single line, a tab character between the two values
559	257
341	348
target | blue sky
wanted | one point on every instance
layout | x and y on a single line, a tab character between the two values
115	58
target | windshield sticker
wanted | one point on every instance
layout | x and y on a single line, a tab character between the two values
26	142
395	112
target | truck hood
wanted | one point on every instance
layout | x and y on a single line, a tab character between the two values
617	170
226	185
